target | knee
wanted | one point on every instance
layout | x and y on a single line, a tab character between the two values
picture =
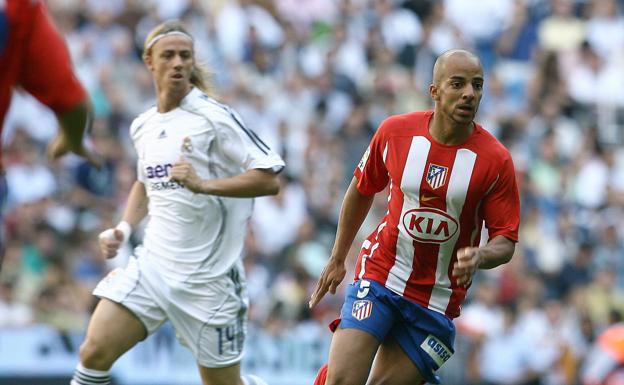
94	354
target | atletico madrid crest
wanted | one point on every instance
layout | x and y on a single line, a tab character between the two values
362	309
436	176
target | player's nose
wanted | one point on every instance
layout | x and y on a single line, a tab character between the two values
469	91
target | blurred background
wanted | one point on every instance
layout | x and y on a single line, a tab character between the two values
314	78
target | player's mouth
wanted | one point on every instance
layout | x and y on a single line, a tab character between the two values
177	76
466	108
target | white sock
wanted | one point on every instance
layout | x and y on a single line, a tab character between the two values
86	376
250	379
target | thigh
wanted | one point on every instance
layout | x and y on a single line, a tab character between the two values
392	366
366	318
351	355
114	329
133	287
229	375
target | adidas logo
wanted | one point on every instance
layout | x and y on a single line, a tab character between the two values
163	134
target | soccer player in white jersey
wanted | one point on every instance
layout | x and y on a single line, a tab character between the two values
196	160
446	176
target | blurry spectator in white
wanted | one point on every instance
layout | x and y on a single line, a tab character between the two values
401	30
349	58
562	30
591	176
503	355
168	9
556	341
592	82
112	7
276	219
233	21
30	179
12	313
441	34
481	35
100	36
605	28
482	316
568	134
294	96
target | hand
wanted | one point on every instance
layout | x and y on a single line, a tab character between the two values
110	240
467	264
58	147
333	273
184	173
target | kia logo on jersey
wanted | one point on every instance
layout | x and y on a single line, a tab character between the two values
429	225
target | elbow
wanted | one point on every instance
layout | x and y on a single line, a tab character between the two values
273	187
507	257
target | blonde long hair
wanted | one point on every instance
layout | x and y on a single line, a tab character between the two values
200	76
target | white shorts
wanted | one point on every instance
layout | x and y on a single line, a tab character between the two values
210	319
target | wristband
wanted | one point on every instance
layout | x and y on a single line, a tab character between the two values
126	229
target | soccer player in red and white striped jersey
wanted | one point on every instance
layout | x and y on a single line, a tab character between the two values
447	176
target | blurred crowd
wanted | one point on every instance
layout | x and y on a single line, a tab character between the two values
314	78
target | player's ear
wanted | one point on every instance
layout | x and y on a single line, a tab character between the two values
433	92
148	62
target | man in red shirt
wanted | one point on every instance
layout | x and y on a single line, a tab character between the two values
33	56
447	176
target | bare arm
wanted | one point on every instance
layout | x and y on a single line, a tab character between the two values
355	207
73	124
252	183
136	209
496	252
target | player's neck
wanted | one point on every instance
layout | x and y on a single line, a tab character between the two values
170	99
447	132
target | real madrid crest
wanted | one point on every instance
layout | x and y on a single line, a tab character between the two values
187	145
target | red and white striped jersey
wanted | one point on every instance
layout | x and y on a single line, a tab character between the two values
438	199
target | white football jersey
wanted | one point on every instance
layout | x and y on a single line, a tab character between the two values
195	237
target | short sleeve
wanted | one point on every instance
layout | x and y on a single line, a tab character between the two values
243	147
371	172
501	206
46	70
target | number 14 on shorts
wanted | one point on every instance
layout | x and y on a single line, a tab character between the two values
230	339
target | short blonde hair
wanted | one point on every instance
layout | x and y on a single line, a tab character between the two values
200	76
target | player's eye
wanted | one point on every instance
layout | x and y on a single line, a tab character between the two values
456	84
478	86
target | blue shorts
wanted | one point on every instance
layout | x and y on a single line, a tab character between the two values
425	335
